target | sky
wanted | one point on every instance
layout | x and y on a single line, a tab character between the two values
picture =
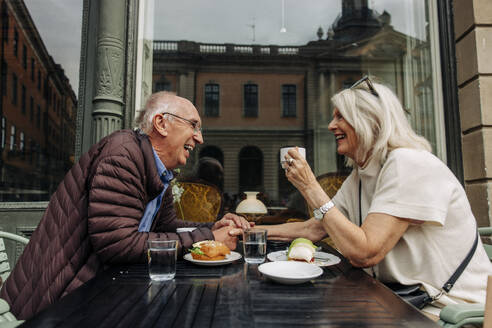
214	21
220	21
59	22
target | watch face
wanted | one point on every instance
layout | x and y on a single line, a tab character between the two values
317	214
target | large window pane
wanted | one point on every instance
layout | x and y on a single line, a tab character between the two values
40	48
277	70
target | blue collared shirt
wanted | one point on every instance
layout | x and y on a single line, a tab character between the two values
153	206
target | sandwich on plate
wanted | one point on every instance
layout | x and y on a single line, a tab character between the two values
209	250
301	249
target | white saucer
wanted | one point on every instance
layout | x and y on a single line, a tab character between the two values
190	229
320	258
290	272
233	256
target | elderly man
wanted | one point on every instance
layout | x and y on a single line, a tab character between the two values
109	204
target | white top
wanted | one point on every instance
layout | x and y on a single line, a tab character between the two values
415	184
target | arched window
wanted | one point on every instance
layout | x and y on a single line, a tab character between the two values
214	152
250	169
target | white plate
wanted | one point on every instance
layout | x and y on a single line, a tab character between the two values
320	258
233	256
290	272
190	229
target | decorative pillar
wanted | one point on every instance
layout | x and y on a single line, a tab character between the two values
108	104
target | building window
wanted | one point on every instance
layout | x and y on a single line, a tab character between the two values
4	132
289	100
14	89
212	100
23	99
24	57
16	42
39	80
250	168
31	109
33	68
162	86
12	138
4	77
21	142
251	100
5	22
38	118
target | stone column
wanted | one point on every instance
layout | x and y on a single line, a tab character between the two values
473	34
108	104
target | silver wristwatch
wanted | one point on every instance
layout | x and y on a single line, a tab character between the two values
319	213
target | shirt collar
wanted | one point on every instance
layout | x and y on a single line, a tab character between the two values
164	174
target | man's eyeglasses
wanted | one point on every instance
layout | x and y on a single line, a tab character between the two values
196	128
366	79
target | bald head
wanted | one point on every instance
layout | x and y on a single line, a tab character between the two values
160	102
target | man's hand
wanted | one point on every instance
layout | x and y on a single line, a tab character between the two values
233	220
228	235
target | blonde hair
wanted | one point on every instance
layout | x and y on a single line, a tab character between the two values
379	122
159	102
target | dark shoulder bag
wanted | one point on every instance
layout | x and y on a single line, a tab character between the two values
416	294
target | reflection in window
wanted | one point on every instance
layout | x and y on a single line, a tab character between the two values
14	89
33	68
12	138
16	42
330	45
31	109
288	100
4	132
23	99
24	57
251	100
21	142
4	78
43	70
212	100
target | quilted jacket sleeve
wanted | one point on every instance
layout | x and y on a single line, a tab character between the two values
117	200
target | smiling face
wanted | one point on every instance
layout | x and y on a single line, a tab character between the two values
345	136
173	137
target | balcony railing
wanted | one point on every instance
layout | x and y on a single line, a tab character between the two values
191	47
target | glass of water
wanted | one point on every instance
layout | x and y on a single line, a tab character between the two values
254	245
162	256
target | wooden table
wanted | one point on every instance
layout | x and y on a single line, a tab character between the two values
234	295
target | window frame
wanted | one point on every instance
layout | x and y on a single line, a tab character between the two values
247	92
213	111
287	113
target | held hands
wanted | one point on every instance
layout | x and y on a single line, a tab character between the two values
233	220
229	227
228	235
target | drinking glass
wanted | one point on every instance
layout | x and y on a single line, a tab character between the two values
162	256
254	245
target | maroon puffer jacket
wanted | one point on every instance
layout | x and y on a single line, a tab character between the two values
92	220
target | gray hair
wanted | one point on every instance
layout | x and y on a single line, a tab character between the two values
379	122
159	102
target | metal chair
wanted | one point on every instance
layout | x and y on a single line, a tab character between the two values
458	315
4	261
7	319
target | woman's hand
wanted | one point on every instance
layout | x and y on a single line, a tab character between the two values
298	171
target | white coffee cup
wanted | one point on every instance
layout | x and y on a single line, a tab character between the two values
285	150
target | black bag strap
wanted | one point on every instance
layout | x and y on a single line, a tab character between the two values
450	283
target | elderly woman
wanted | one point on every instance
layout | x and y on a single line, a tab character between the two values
401	213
